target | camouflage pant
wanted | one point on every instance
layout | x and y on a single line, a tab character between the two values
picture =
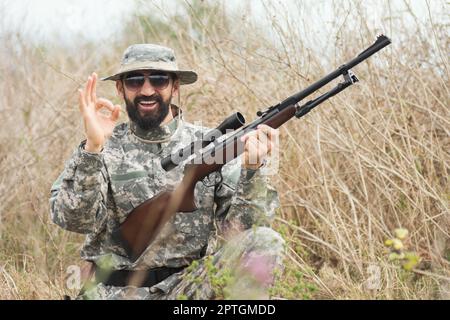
244	268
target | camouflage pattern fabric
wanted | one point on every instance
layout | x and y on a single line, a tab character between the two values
95	193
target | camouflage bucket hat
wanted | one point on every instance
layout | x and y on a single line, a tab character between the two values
152	57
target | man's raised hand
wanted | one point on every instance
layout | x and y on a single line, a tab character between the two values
98	127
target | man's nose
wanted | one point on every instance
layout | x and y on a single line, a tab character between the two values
147	89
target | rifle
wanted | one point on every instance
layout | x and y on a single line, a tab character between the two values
207	156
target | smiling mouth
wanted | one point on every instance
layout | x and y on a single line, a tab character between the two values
148	105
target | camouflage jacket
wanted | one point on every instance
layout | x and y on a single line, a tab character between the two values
95	193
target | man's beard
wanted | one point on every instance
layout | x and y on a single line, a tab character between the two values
151	119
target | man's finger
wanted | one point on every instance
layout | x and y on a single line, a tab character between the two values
263	132
94	87
116	112
87	93
262	139
272	137
249	135
251	152
255	152
101	102
249	142
256	147
270	132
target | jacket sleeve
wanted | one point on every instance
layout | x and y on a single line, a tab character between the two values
78	196
244	198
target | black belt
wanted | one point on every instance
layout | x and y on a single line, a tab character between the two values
142	278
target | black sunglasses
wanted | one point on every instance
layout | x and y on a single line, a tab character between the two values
135	81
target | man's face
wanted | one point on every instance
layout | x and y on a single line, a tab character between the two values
147	96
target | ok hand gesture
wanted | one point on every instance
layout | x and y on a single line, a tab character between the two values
98	127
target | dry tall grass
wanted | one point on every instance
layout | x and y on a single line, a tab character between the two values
372	159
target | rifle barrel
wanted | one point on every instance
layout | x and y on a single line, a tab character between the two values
381	42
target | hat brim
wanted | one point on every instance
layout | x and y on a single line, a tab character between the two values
184	76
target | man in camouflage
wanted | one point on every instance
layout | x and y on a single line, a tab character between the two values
224	248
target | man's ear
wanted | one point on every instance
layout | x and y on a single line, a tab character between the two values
119	87
176	87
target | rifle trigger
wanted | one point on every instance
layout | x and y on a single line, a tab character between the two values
213	179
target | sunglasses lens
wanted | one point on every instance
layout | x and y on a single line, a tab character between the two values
134	82
159	81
